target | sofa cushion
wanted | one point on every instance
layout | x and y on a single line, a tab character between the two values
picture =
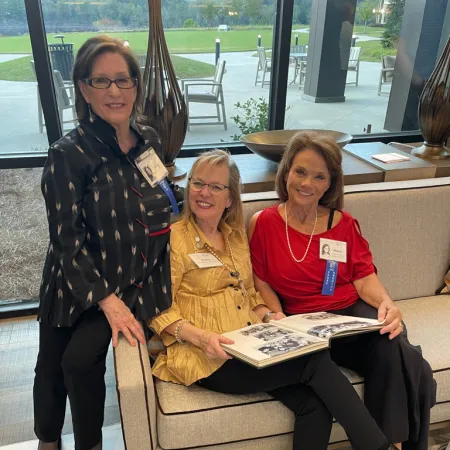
209	418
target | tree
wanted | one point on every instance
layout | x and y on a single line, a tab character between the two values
365	11
302	12
394	21
190	23
253	9
209	11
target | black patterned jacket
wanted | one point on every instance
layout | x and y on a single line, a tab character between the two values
109	229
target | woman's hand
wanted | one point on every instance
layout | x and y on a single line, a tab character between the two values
392	317
278	316
210	342
122	320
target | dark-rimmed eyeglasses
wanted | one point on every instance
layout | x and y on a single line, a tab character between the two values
105	83
214	188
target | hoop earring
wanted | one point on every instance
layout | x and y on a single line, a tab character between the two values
91	115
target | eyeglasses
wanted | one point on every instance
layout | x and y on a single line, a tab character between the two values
105	83
214	188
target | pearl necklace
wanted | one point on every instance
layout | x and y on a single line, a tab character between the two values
287	236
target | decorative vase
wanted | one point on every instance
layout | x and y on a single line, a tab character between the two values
164	106
434	111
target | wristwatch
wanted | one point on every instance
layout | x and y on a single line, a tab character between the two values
267	315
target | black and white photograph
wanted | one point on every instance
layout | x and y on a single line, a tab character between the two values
284	345
318	316
325	331
255	330
272	333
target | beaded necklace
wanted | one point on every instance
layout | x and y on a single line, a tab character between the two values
289	242
234	273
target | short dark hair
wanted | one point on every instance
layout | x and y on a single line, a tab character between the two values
86	56
330	152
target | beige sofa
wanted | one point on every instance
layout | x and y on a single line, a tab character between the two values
408	227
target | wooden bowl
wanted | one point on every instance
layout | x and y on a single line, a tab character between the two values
271	144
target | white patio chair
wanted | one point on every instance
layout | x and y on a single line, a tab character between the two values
64	91
299	63
353	63
264	65
387	71
212	93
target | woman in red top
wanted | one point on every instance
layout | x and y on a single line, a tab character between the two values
294	272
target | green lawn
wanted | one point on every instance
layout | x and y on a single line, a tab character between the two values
178	41
373	51
370	31
20	69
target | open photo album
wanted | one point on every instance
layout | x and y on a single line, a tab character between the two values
265	344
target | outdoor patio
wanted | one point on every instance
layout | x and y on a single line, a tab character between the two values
19	110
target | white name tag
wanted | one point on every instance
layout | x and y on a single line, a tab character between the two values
333	250
204	260
151	167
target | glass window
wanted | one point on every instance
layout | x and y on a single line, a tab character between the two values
22	127
334	78
197	32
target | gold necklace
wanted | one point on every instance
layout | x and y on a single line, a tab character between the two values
234	273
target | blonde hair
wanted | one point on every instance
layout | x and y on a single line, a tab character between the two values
85	60
234	215
330	152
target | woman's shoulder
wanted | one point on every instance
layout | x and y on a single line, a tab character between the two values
73	144
179	234
268	213
147	131
178	228
262	218
347	217
348	223
74	151
151	137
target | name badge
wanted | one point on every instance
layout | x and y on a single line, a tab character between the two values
205	260
333	250
151	167
329	282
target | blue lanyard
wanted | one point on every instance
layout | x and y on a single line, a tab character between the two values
166	188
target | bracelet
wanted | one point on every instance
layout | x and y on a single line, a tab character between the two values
178	329
267	315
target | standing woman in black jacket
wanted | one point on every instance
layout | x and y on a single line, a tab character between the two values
107	267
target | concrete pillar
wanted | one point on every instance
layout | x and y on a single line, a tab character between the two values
445	32
420	39
330	38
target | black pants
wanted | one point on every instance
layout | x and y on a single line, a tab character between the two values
399	389
72	362
313	388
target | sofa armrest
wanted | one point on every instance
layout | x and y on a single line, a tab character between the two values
136	394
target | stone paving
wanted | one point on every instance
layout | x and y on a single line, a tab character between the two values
19	113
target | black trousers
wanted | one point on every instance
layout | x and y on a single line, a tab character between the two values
399	389
72	362
313	388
